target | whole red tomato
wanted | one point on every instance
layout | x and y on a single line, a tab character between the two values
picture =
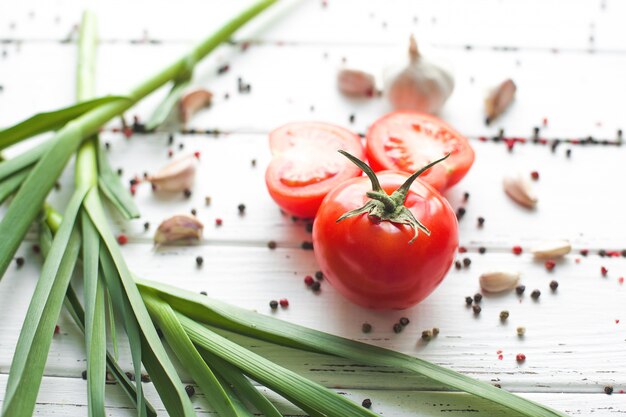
387	251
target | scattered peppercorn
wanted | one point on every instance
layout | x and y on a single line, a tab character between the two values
534	175
284	303
520	357
207	200
366	327
122	239
608	390
476	308
568	153
193	212
482	250
517	250
319	275
271	244
367	403
435	331
584	252
36	248
481	221
535	294
404	321
273	304
520	289
309	227
308	280
170	139
316	286
467	262
521	331
554	285
550	264
223	69
466	196
397	328
199	260
458	264
145	378
187	193
504	314
469	300
497	385
602	253
19	261
307	245
427	335
604	271
130	376
219	222
478	297
253	162
623	253
351	118
190	390
84	375
460	212
242	209
203	292
146	226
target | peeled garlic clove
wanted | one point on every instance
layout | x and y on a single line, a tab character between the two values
179	175
421	86
499	281
192	101
552	249
519	189
499	100
356	83
179	227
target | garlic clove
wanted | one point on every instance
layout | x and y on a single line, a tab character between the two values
356	83
179	227
520	191
499	100
178	175
192	101
421	86
552	249
499	281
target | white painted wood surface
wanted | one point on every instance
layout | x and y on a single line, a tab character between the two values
569	66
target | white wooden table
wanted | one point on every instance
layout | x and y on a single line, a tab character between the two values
568	60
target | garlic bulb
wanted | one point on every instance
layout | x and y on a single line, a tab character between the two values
421	86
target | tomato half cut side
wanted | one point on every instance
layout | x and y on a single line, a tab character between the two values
306	165
406	141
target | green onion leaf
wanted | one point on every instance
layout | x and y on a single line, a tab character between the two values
53	120
11	184
112	188
165	107
23	160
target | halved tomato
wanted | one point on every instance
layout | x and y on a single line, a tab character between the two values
306	164
406	141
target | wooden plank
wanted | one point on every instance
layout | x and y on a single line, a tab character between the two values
67	397
485	23
573	342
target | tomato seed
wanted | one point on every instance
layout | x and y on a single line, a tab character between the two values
203	293
462	249
193	212
517	250
145	378
460	212
435	331
602	253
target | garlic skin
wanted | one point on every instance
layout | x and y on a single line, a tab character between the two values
421	86
179	227
176	176
356	83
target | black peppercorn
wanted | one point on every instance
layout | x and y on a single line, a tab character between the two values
273	304
467	262
319	275
520	289
316	286
469	300
554	285
397	328
367	403
190	390
478	297
199	260
535	294
404	321
366	327
476	308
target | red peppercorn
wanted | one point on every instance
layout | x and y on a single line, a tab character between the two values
128	132
550	264
545	121
170	153
122	239
196	154
584	252
534	175
308	280
57	329
284	303
218	222
604	271
520	357
517	250
462	249
620	280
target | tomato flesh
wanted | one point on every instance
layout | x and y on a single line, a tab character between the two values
407	141
372	262
306	164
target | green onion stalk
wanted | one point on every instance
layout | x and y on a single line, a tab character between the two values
81	242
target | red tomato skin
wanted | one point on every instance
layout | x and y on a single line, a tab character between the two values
443	175
373	264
